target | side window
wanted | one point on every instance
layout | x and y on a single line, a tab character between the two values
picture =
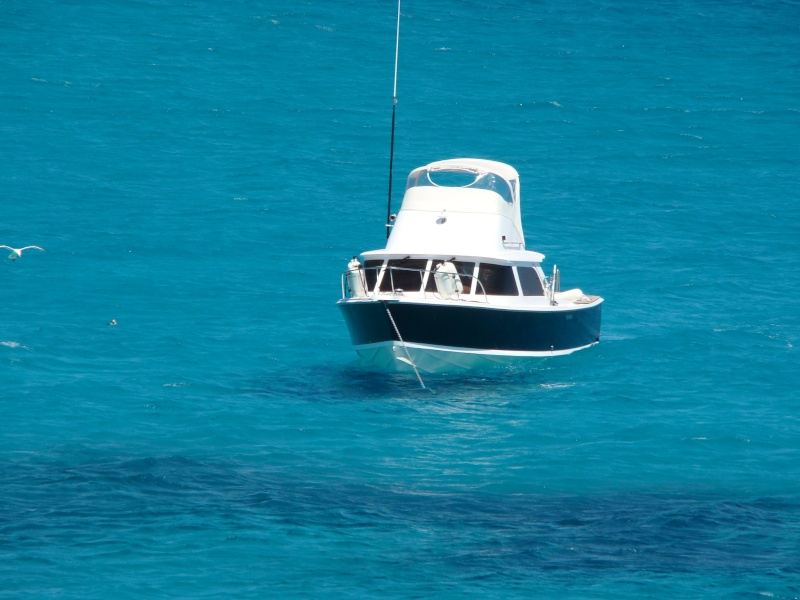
464	269
497	280
371	269
405	274
530	282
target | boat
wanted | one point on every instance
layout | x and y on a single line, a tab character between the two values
455	288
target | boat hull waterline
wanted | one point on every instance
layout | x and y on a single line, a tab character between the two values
447	337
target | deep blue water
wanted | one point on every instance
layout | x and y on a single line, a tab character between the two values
202	171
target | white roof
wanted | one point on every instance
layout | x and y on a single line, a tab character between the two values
506	256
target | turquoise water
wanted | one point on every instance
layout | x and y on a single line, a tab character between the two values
201	172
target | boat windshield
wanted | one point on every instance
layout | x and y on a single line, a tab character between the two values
463	178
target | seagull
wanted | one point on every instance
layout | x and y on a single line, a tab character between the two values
17	252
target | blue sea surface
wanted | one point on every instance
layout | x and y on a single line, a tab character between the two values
200	173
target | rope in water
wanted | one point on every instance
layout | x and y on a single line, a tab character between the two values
403	344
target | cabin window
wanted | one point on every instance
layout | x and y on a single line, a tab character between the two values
464	178
530	282
371	268
497	280
465	270
404	274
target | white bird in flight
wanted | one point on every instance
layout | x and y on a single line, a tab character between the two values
17	252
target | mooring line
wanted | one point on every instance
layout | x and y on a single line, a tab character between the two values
403	344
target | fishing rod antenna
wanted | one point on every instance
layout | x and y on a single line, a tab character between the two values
389	218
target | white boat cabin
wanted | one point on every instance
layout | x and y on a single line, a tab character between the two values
458	234
459	207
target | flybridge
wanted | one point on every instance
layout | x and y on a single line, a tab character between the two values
463	206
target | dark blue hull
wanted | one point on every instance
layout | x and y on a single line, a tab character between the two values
473	327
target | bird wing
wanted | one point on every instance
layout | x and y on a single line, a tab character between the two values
32	248
7	247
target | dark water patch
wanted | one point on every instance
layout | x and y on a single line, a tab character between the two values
85	504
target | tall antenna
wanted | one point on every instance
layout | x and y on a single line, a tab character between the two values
394	109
